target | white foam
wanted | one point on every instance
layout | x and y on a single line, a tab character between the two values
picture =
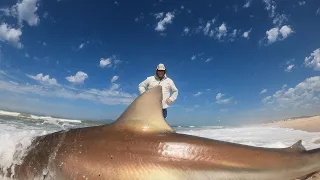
35	117
259	136
7	113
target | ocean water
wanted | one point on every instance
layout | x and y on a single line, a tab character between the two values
16	135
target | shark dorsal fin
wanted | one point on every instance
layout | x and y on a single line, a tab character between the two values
145	114
296	147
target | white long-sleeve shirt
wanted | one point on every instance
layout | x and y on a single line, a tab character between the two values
167	84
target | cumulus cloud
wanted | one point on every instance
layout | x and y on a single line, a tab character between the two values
44	79
161	26
27	12
272	35
24	10
289	68
114	78
78	78
303	95
109	62
313	61
246	34
285	31
220	100
275	34
113	95
263	91
105	62
222	31
10	35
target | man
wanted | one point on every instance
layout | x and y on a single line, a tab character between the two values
160	78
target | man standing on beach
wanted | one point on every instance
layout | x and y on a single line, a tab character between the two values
160	78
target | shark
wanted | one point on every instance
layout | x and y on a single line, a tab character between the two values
140	145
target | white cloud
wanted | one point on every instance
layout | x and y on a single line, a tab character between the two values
82	45
105	62
220	100
222	31
274	33
44	79
208	59
246	34
279	19
285	31
289	68
186	31
78	78
271	7
10	35
207	28
166	20
198	94
301	3
247	4
24	10
27	12
159	15
263	91
306	94
114	78
193	57
318	11
110	96
313	61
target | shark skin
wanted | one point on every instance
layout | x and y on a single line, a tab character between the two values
140	145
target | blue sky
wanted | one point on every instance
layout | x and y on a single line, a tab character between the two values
233	62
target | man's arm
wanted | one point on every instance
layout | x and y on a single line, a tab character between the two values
143	85
174	90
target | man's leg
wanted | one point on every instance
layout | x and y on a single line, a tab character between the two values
164	112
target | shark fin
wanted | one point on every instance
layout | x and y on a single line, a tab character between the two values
144	114
296	147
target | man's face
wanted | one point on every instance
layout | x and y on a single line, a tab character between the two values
160	73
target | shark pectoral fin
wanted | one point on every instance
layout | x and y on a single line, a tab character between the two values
145	114
296	147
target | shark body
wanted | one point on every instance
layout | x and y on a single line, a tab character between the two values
140	145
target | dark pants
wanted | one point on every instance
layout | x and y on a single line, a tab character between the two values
164	112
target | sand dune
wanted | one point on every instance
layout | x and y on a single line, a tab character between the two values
309	124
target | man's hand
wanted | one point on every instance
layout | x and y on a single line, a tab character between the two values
168	101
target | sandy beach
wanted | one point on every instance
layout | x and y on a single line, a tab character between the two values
309	124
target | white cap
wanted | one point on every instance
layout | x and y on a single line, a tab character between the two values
161	67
